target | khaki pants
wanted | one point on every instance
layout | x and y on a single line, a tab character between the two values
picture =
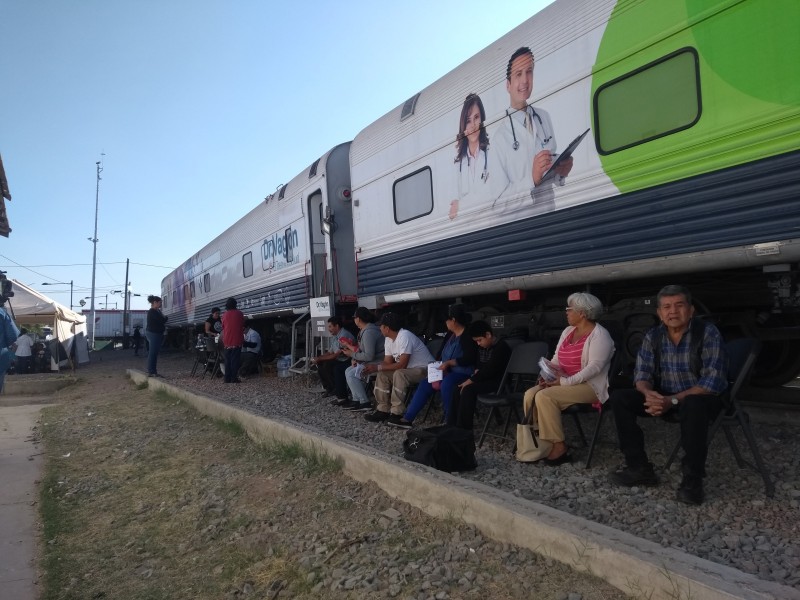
391	388
549	404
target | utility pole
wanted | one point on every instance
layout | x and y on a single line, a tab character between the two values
126	306
94	251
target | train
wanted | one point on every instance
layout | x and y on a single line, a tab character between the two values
610	146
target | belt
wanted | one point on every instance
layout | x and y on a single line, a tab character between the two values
231	347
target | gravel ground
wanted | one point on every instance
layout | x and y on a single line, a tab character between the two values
736	526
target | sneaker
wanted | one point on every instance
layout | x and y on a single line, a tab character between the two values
635	476
360	407
339	402
690	491
398	421
376	416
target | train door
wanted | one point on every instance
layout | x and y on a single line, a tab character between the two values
317	242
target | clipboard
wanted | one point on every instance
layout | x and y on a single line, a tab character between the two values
564	156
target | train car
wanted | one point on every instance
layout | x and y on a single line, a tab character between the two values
295	245
688	172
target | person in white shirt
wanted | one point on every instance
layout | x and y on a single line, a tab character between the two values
24	350
251	351
405	363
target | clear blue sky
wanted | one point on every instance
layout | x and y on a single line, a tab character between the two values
201	107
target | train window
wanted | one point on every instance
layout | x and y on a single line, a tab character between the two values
409	107
658	99
247	265
191	289
413	196
289	245
206	283
313	170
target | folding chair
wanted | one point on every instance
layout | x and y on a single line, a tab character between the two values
616	379
522	369
742	354
199	359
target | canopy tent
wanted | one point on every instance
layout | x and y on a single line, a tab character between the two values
29	307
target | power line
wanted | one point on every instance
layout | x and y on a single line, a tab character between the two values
121	262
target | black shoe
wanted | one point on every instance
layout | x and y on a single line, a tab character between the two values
690	491
398	421
635	476
349	404
555	462
377	416
360	407
339	402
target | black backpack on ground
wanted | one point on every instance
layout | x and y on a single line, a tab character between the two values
442	447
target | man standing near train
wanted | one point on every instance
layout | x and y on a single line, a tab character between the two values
232	338
681	370
524	144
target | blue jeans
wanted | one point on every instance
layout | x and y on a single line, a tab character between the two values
233	359
356	385
425	391
154	340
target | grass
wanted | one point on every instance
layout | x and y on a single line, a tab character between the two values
311	460
157	501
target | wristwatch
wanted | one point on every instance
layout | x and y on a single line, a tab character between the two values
674	401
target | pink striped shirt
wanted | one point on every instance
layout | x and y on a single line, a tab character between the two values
569	355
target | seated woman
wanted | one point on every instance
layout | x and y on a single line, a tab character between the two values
459	355
367	350
582	359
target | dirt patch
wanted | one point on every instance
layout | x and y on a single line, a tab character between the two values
145	498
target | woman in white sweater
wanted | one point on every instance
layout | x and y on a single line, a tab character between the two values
580	364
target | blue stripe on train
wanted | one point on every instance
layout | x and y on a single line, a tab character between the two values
741	205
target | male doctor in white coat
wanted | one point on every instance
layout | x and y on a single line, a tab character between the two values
524	145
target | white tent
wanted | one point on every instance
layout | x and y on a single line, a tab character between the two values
29	307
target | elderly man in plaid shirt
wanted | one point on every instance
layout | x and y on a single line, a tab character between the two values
681	370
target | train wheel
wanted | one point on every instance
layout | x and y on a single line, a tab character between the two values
778	363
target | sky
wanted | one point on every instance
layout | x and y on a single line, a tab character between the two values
196	109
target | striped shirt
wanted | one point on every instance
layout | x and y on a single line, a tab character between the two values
676	372
569	354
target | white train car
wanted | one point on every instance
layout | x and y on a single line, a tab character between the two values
295	245
688	172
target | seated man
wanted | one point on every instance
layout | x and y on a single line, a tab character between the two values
681	370
493	356
405	363
334	363
213	324
367	350
251	351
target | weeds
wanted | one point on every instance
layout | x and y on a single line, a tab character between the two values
311	461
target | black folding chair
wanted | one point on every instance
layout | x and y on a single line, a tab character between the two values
742	354
616	379
522	371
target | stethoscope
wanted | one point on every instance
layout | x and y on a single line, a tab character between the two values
515	145
485	174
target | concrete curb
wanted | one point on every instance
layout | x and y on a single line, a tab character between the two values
18	385
637	567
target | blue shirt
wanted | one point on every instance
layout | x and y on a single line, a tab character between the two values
676	372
